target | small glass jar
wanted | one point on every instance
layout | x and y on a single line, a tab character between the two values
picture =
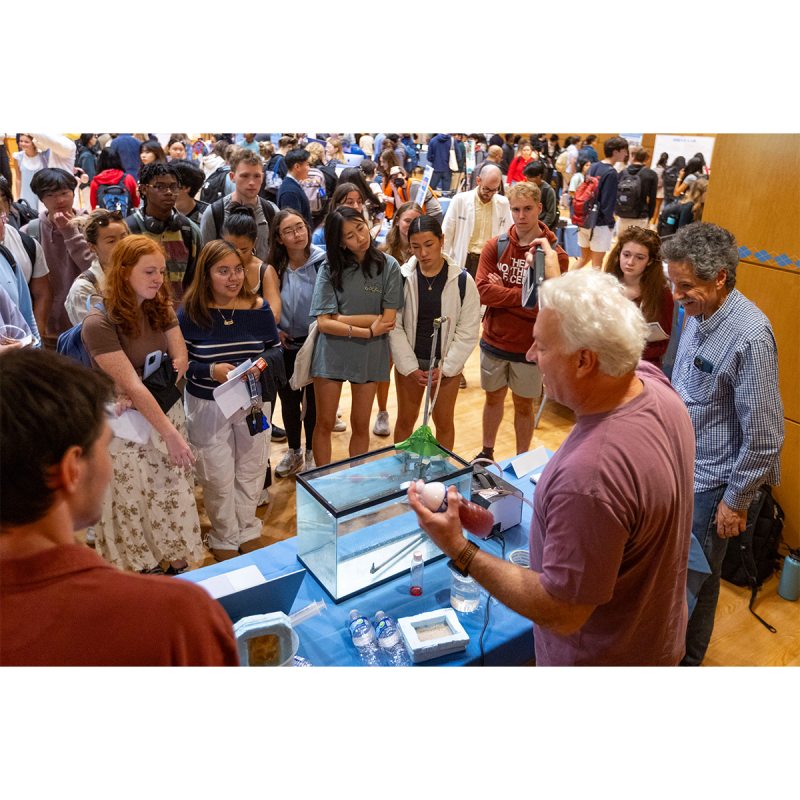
465	593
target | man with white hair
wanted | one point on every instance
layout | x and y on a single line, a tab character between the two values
474	217
726	371
610	534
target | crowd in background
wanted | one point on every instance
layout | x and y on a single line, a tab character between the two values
215	249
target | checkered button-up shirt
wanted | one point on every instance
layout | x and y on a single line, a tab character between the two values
726	371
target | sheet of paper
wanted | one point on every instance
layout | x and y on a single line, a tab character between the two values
535	460
232	396
237	372
656	333
131	425
230	582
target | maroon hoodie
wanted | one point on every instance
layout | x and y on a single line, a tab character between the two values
111	177
507	326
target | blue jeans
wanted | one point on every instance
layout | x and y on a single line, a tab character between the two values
701	623
441	180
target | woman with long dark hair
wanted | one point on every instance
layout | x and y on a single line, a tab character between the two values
149	517
432	288
636	262
356	297
293	266
224	324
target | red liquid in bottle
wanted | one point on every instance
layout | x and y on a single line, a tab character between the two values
475	518
415	590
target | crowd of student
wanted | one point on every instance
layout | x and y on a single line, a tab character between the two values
213	253
287	235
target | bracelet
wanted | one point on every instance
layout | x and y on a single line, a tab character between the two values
464	559
371	332
211	371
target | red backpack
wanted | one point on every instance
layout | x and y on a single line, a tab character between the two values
584	202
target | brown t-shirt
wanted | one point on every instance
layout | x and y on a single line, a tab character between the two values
101	336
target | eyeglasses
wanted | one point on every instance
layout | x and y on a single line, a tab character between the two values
295	231
224	272
165	187
487	190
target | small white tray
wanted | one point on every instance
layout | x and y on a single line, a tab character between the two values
433	634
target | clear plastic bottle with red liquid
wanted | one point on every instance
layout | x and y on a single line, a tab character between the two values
417	568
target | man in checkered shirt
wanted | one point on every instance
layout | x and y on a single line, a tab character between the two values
726	372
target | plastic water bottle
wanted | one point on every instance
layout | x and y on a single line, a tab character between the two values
390	641
363	635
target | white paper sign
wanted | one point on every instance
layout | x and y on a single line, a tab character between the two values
230	582
528	462
232	396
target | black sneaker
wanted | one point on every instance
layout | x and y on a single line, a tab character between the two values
278	434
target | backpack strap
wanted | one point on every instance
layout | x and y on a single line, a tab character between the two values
502	245
462	284
6	253
29	243
218	215
268	209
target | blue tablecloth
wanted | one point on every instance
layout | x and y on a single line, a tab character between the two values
325	640
508	640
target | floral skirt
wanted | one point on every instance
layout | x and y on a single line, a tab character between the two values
149	511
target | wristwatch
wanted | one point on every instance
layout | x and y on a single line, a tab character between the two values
464	559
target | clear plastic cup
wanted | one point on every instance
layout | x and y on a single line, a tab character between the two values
465	593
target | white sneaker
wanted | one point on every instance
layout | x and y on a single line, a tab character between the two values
382	424
291	462
264	499
340	424
309	461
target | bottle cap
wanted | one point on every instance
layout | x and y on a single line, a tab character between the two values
418	555
379	615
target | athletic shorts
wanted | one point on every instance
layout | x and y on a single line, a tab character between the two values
524	379
601	238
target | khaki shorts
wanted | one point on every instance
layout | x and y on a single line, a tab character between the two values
600	239
525	379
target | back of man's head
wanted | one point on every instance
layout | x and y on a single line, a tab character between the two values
640	156
295	157
533	170
494	153
48	405
50	180
595	315
190	175
614	143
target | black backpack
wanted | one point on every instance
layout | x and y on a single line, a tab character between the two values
753	555
670	180
114	197
629	195
214	187
669	218
26	213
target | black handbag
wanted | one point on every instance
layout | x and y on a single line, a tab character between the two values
161	384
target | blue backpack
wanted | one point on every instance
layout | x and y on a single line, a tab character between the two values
71	345
114	197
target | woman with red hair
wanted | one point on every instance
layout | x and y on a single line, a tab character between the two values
149	521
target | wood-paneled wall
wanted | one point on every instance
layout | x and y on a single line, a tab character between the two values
753	192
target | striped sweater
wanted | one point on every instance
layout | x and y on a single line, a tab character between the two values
252	332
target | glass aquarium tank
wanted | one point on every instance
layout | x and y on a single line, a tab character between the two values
355	529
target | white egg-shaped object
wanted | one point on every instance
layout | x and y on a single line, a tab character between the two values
434	496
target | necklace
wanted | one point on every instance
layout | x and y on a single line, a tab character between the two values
432	280
225	320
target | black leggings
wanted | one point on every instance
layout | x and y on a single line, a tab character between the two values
290	406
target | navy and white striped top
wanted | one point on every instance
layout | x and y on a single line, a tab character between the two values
252	332
726	371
